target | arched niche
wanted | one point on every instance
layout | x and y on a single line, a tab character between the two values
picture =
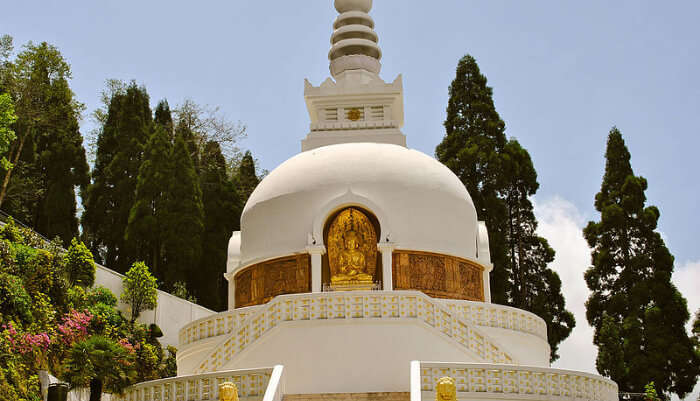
364	228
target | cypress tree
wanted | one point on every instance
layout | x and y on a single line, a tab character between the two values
637	313
111	195
63	166
185	224
47	154
222	213
472	147
148	217
500	178
531	284
245	178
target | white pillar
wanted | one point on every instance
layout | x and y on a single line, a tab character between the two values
316	251
231	290
387	249
487	282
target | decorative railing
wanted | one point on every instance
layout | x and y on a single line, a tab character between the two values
480	381
349	305
253	384
476	313
500	316
214	325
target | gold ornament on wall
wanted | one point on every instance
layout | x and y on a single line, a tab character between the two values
228	392
354	114
352	248
445	390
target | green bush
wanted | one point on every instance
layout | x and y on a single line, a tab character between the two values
15	303
79	264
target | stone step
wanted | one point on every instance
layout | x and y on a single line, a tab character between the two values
398	396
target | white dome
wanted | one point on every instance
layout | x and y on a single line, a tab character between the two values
420	204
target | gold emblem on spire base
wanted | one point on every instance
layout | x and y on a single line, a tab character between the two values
446	389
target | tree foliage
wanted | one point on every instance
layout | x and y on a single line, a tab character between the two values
79	264
500	177
101	364
140	290
47	156
637	313
149	216
246	177
7	135
222	213
186	218
109	199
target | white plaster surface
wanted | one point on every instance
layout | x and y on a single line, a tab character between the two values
349	356
420	203
170	315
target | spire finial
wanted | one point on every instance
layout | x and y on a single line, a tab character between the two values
354	42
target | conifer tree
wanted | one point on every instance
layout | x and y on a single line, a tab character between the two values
500	178
222	213
637	313
246	178
163	116
149	215
185	225
472	147
48	159
531	284
111	195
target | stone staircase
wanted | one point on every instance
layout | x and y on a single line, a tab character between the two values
349	397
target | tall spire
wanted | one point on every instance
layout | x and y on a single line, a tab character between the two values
356	105
354	42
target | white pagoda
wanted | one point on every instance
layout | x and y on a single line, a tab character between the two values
361	270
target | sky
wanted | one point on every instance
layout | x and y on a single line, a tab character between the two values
563	73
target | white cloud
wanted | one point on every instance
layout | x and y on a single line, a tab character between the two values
562	224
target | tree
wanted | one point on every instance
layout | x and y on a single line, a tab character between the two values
79	264
637	313
501	178
110	197
140	290
149	215
246	178
185	224
47	156
531	284
207	124
222	214
472	148
7	135
100	363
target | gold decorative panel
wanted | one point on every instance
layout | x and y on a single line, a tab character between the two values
259	283
352	248
437	275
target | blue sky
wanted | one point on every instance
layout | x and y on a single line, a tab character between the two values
563	73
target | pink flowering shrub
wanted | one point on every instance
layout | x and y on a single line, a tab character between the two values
74	327
36	345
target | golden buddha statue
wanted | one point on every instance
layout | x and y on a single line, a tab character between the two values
228	392
351	261
446	389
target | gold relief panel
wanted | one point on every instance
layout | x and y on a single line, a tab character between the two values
437	275
259	283
352	248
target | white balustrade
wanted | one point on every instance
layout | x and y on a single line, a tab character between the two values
253	384
500	316
476	313
509	382
214	325
412	305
